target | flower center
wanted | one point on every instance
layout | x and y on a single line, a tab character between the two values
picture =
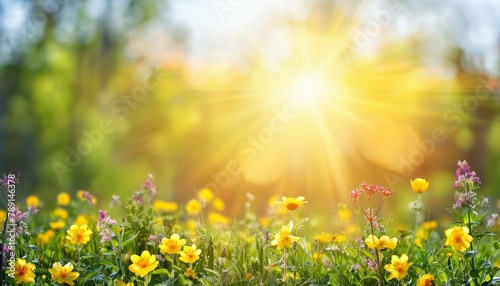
22	270
143	263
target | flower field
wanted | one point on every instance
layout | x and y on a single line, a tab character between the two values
146	241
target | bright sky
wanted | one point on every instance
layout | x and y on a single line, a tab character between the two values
229	27
221	29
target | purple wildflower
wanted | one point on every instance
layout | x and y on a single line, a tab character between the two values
87	196
137	197
16	223
150	186
6	254
492	222
32	210
104	224
154	240
159	258
372	264
115	200
484	202
465	177
464	200
360	241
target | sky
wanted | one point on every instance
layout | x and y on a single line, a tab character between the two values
233	27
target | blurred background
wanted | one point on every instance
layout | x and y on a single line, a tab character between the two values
292	98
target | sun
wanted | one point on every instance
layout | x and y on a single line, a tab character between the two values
306	88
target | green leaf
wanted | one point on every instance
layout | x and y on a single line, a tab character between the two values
470	254
184	280
458	216
368	254
405	232
215	273
91	275
169	282
114	274
496	244
161	271
128	241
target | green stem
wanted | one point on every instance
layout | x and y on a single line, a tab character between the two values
284	258
469	224
380	273
379	266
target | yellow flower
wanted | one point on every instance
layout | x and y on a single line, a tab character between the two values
121	283
143	264
189	254
24	271
46	237
218	204
206	195
193	207
78	234
63	199
271	203
344	212
61	213
164	206
63	274
387	242
291	203
248	276
398	267
292	275
419	185
283	237
191	224
458	238
190	273
324	237
171	245
372	241
426	280
57	225
81	220
264	221
79	194
32	201
3	215
216	218
339	238
429	225
422	235
381	243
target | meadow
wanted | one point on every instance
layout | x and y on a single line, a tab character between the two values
157	242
